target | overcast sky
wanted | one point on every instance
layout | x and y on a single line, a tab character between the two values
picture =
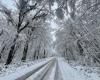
8	3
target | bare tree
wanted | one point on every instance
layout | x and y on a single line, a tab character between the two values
24	8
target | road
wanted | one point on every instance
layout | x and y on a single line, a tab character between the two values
55	68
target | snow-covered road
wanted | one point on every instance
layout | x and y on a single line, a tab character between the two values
51	69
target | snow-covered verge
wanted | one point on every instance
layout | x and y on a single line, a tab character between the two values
91	72
13	68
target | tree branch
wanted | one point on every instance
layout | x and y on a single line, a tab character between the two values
7	12
27	23
38	12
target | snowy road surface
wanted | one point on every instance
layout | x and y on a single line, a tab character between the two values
51	69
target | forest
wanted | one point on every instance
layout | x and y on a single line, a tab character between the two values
32	30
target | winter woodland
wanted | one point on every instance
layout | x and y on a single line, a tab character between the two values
63	33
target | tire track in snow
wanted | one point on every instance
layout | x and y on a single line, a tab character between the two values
51	72
33	71
41	73
58	75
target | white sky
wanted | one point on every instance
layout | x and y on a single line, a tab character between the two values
53	25
55	6
8	3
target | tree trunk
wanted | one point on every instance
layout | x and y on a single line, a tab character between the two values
34	54
2	51
25	52
80	48
37	54
44	54
12	51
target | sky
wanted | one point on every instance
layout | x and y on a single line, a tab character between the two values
8	3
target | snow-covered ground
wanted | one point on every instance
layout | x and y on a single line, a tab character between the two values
91	72
55	68
69	73
16	70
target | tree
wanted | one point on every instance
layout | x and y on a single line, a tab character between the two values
83	29
24	8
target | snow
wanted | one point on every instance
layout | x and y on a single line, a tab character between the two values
70	73
55	68
41	71
55	6
53	73
91	72
22	70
